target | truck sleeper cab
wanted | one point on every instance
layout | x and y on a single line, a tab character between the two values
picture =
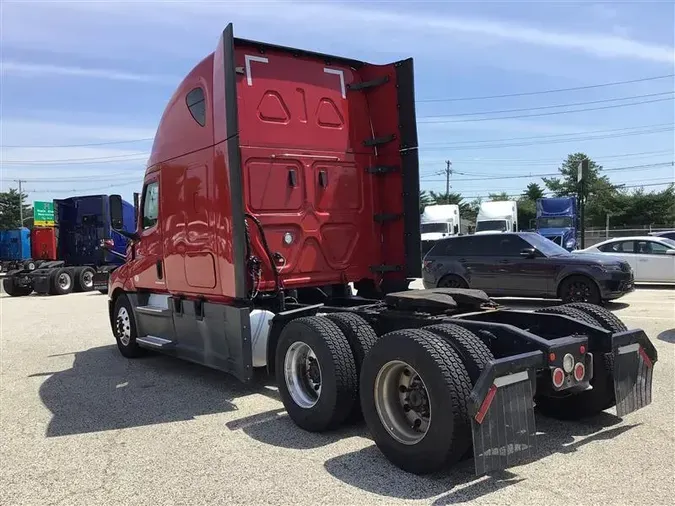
278	177
70	256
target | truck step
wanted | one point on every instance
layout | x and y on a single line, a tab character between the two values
154	342
154	310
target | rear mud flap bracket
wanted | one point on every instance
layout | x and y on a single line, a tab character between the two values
368	84
634	358
502	413
386	268
377	141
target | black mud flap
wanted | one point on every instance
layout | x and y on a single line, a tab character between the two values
634	358
502	413
101	280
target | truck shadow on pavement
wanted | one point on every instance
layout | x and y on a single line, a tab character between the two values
368	469
667	336
104	391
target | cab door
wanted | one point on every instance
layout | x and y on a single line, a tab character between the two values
149	253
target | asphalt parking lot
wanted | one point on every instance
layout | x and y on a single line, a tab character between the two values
82	425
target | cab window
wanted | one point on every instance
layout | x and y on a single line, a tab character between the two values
196	104
150	205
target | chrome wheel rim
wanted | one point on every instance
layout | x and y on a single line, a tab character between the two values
402	402
302	374
64	281
124	326
88	279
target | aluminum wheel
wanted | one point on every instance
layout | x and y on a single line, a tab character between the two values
124	326
64	281
302	374
88	279
402	402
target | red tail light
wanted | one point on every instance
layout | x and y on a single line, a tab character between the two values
107	243
558	377
426	264
579	371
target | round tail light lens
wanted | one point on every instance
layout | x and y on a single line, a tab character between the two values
579	371
558	377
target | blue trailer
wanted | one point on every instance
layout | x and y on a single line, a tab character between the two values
557	220
87	249
15	250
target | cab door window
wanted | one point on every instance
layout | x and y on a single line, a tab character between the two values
150	205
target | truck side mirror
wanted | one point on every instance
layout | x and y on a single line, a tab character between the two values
515	227
456	229
116	217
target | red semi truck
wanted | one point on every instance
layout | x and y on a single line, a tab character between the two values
278	177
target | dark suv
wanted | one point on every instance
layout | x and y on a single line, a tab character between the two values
525	264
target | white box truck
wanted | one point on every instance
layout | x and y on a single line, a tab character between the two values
438	222
499	216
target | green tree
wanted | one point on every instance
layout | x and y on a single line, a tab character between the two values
495	197
445	198
425	200
567	186
533	192
9	209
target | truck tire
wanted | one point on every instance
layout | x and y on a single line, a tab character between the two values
84	279
61	282
567	310
316	373
579	289
607	319
124	329
361	338
440	387
15	291
474	353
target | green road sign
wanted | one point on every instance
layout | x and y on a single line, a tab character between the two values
43	214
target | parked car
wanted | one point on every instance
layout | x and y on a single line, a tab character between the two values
652	258
668	234
525	264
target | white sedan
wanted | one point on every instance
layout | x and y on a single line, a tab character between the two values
651	257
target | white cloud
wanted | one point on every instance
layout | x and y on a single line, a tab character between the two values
39	70
351	25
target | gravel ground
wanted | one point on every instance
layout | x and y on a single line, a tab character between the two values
82	425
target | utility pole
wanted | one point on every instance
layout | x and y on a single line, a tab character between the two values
20	203
582	172
448	173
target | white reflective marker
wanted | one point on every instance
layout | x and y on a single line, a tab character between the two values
340	73
248	58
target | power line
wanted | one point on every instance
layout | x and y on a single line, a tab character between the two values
534	137
549	174
552	113
542	92
108	143
573	104
80	190
99	159
548	141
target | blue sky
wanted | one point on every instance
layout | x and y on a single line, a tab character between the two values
78	73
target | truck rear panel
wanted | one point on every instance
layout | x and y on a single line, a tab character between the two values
83	222
15	244
323	151
43	243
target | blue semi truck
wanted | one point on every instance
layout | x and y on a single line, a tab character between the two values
557	220
15	250
85	248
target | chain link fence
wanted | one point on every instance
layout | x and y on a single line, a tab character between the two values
594	235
